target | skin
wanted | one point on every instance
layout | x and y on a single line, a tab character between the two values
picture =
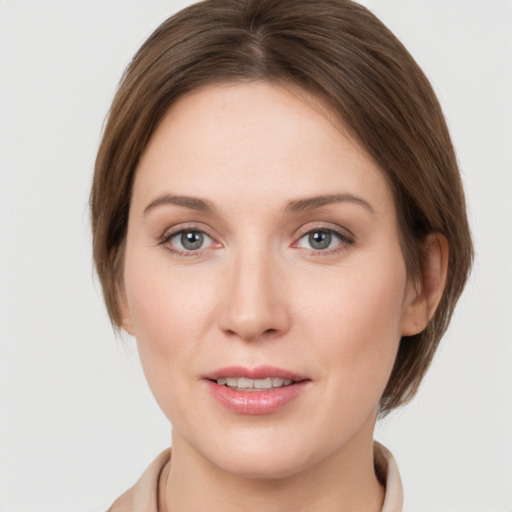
258	292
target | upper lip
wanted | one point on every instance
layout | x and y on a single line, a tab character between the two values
259	372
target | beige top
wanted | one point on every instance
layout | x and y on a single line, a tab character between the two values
143	496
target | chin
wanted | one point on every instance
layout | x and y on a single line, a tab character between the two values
263	464
265	454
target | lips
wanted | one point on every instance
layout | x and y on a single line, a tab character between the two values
255	391
260	372
244	384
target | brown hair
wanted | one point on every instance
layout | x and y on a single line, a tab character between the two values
338	51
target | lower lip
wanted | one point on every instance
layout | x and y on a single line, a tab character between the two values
256	402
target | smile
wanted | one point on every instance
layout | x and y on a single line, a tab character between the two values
245	384
255	391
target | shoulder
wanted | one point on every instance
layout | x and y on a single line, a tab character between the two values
143	495
389	476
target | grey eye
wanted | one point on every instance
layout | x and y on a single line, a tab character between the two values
320	240
190	240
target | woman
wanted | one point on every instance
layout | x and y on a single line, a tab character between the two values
279	220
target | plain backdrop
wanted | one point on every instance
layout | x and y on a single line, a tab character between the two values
78	423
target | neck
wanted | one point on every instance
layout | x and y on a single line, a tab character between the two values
345	480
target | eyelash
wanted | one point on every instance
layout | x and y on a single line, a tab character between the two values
167	237
345	240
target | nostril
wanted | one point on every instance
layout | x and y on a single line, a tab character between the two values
250	315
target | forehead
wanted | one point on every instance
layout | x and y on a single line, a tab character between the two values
255	139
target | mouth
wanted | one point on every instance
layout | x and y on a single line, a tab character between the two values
256	391
261	378
245	384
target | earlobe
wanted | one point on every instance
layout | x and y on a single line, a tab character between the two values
424	295
126	324
125	320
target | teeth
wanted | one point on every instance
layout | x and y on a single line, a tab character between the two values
263	383
244	384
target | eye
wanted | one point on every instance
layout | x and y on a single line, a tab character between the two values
322	240
188	240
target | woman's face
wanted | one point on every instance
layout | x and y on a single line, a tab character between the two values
262	248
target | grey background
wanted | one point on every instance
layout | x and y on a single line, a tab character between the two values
77	421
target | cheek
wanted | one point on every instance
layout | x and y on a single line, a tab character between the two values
355	322
171	312
164	300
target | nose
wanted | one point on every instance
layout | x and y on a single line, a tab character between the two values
255	305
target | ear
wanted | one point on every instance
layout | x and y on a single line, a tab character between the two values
125	320
424	294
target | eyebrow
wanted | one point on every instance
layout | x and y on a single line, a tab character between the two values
311	203
295	206
194	203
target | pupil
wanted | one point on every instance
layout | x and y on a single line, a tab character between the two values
192	240
320	240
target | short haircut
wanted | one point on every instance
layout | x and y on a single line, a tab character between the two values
337	51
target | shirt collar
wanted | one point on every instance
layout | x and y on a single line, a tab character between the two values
144	494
